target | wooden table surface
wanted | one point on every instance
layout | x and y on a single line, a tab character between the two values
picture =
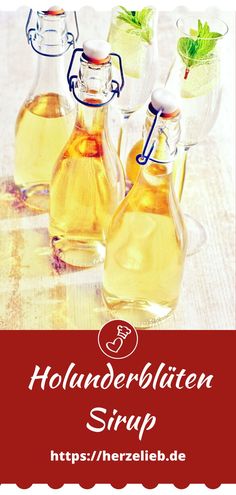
33	295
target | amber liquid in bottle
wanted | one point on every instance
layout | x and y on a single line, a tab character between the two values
87	186
46	123
179	167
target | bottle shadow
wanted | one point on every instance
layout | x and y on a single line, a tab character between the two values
12	201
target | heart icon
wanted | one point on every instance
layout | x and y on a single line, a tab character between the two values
115	345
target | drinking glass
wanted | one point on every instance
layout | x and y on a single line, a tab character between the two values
195	77
133	34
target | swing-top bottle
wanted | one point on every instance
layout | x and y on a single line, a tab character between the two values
47	117
88	180
146	240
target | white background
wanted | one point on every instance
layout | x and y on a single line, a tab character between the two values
108	4
130	489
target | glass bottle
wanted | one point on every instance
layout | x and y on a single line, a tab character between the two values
47	117
88	180
146	241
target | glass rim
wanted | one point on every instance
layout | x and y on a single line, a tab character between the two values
188	35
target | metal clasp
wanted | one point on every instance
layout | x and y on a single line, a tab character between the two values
143	158
116	86
31	35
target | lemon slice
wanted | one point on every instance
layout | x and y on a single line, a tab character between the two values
201	80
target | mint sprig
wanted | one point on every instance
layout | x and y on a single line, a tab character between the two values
200	46
139	21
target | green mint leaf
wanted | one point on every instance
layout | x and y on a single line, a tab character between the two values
124	18
200	26
139	20
187	49
144	16
125	10
215	35
193	50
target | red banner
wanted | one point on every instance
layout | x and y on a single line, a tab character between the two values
74	411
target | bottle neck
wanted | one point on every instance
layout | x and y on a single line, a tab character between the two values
91	119
51	33
94	81
50	76
51	40
93	87
165	137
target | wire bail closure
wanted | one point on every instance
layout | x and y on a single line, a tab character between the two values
31	35
72	79
143	158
